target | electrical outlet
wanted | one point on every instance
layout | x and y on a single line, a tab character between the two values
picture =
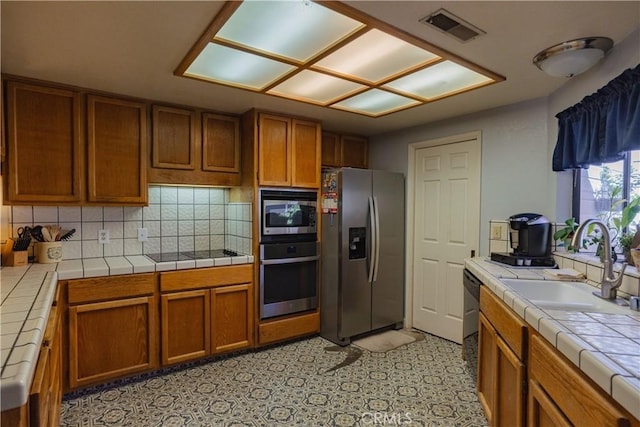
496	232
103	236
142	235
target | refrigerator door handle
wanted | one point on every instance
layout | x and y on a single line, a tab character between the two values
377	239
372	252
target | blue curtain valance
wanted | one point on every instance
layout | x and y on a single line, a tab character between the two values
602	126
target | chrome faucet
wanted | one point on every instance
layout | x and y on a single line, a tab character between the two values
609	284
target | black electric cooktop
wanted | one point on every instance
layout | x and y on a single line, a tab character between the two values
187	255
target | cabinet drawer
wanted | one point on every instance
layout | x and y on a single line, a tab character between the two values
206	278
291	327
110	288
509	326
581	402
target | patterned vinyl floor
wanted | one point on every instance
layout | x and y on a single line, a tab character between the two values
424	383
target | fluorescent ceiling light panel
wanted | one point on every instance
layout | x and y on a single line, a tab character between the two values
438	80
315	87
328	54
235	67
375	102
296	30
375	56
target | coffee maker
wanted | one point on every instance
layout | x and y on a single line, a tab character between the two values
530	238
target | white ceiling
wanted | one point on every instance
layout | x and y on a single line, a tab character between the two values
133	48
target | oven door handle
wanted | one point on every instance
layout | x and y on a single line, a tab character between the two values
289	260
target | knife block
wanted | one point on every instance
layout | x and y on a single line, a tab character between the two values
11	258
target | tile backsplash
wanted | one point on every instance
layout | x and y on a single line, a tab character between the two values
177	219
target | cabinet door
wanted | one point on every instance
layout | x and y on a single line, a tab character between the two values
542	411
510	386
220	143
305	154
581	401
232	317
185	326
331	149
40	395
174	138
112	339
44	144
355	151
487	357
117	151
274	150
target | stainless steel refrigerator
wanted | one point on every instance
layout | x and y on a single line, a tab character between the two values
362	252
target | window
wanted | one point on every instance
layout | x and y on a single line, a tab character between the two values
600	187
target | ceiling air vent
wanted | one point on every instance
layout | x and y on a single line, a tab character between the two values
452	25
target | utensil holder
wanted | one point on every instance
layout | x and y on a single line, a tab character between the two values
48	252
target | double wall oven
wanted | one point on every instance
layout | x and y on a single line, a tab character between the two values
289	253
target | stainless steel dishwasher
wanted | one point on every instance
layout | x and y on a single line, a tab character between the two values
470	322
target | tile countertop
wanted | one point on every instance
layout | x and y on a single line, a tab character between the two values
27	293
605	347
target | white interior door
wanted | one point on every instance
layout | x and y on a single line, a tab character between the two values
446	229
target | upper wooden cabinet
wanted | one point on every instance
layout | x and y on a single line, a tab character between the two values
344	150
117	150
220	143
174	138
193	148
48	147
288	152
44	144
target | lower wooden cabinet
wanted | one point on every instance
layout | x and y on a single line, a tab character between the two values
216	317
562	395
113	338
501	367
232	317
182	312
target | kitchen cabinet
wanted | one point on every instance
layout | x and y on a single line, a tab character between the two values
174	138
215	306
220	143
195	148
273	331
288	152
561	395
502	340
112	328
344	150
44	159
116	151
181	312
45	400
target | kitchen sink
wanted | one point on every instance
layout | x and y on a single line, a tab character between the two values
567	296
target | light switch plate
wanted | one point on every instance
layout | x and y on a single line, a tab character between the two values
103	236
496	232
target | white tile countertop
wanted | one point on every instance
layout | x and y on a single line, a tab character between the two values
27	293
605	347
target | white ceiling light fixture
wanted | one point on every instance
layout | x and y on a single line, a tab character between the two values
326	53
572	57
